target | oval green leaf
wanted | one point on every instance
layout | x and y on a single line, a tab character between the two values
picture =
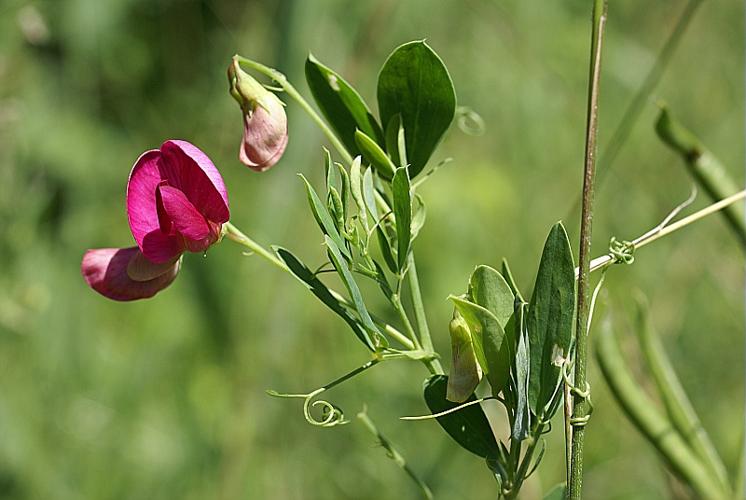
415	84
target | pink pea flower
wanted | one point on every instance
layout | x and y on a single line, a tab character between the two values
176	202
265	134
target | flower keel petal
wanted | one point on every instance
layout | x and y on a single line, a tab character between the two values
105	270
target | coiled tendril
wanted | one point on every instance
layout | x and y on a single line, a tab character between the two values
331	415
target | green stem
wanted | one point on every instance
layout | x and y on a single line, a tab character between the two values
419	311
282	80
520	475
580	404
236	235
396	302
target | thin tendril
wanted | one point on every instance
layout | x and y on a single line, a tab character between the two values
446	412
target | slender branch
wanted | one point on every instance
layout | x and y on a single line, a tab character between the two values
419	312
396	302
282	80
580	403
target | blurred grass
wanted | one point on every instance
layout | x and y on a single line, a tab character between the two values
165	398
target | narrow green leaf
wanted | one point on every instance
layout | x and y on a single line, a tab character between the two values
522	421
704	167
336	209
419	214
369	194
468	426
403	214
320	290
341	104
345	194
373	153
393	128
549	320
340	264
487	336
356	190
415	84
382	281
331	173
324	218
385	246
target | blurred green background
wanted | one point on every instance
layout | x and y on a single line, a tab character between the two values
165	398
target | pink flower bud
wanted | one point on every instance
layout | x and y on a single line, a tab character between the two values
265	122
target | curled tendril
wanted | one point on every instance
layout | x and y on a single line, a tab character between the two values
622	251
582	393
469	121
331	415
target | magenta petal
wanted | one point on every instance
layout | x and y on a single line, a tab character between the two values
105	270
188	169
141	191
159	247
187	220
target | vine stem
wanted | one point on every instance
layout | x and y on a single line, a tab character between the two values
580	403
236	235
288	87
605	261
